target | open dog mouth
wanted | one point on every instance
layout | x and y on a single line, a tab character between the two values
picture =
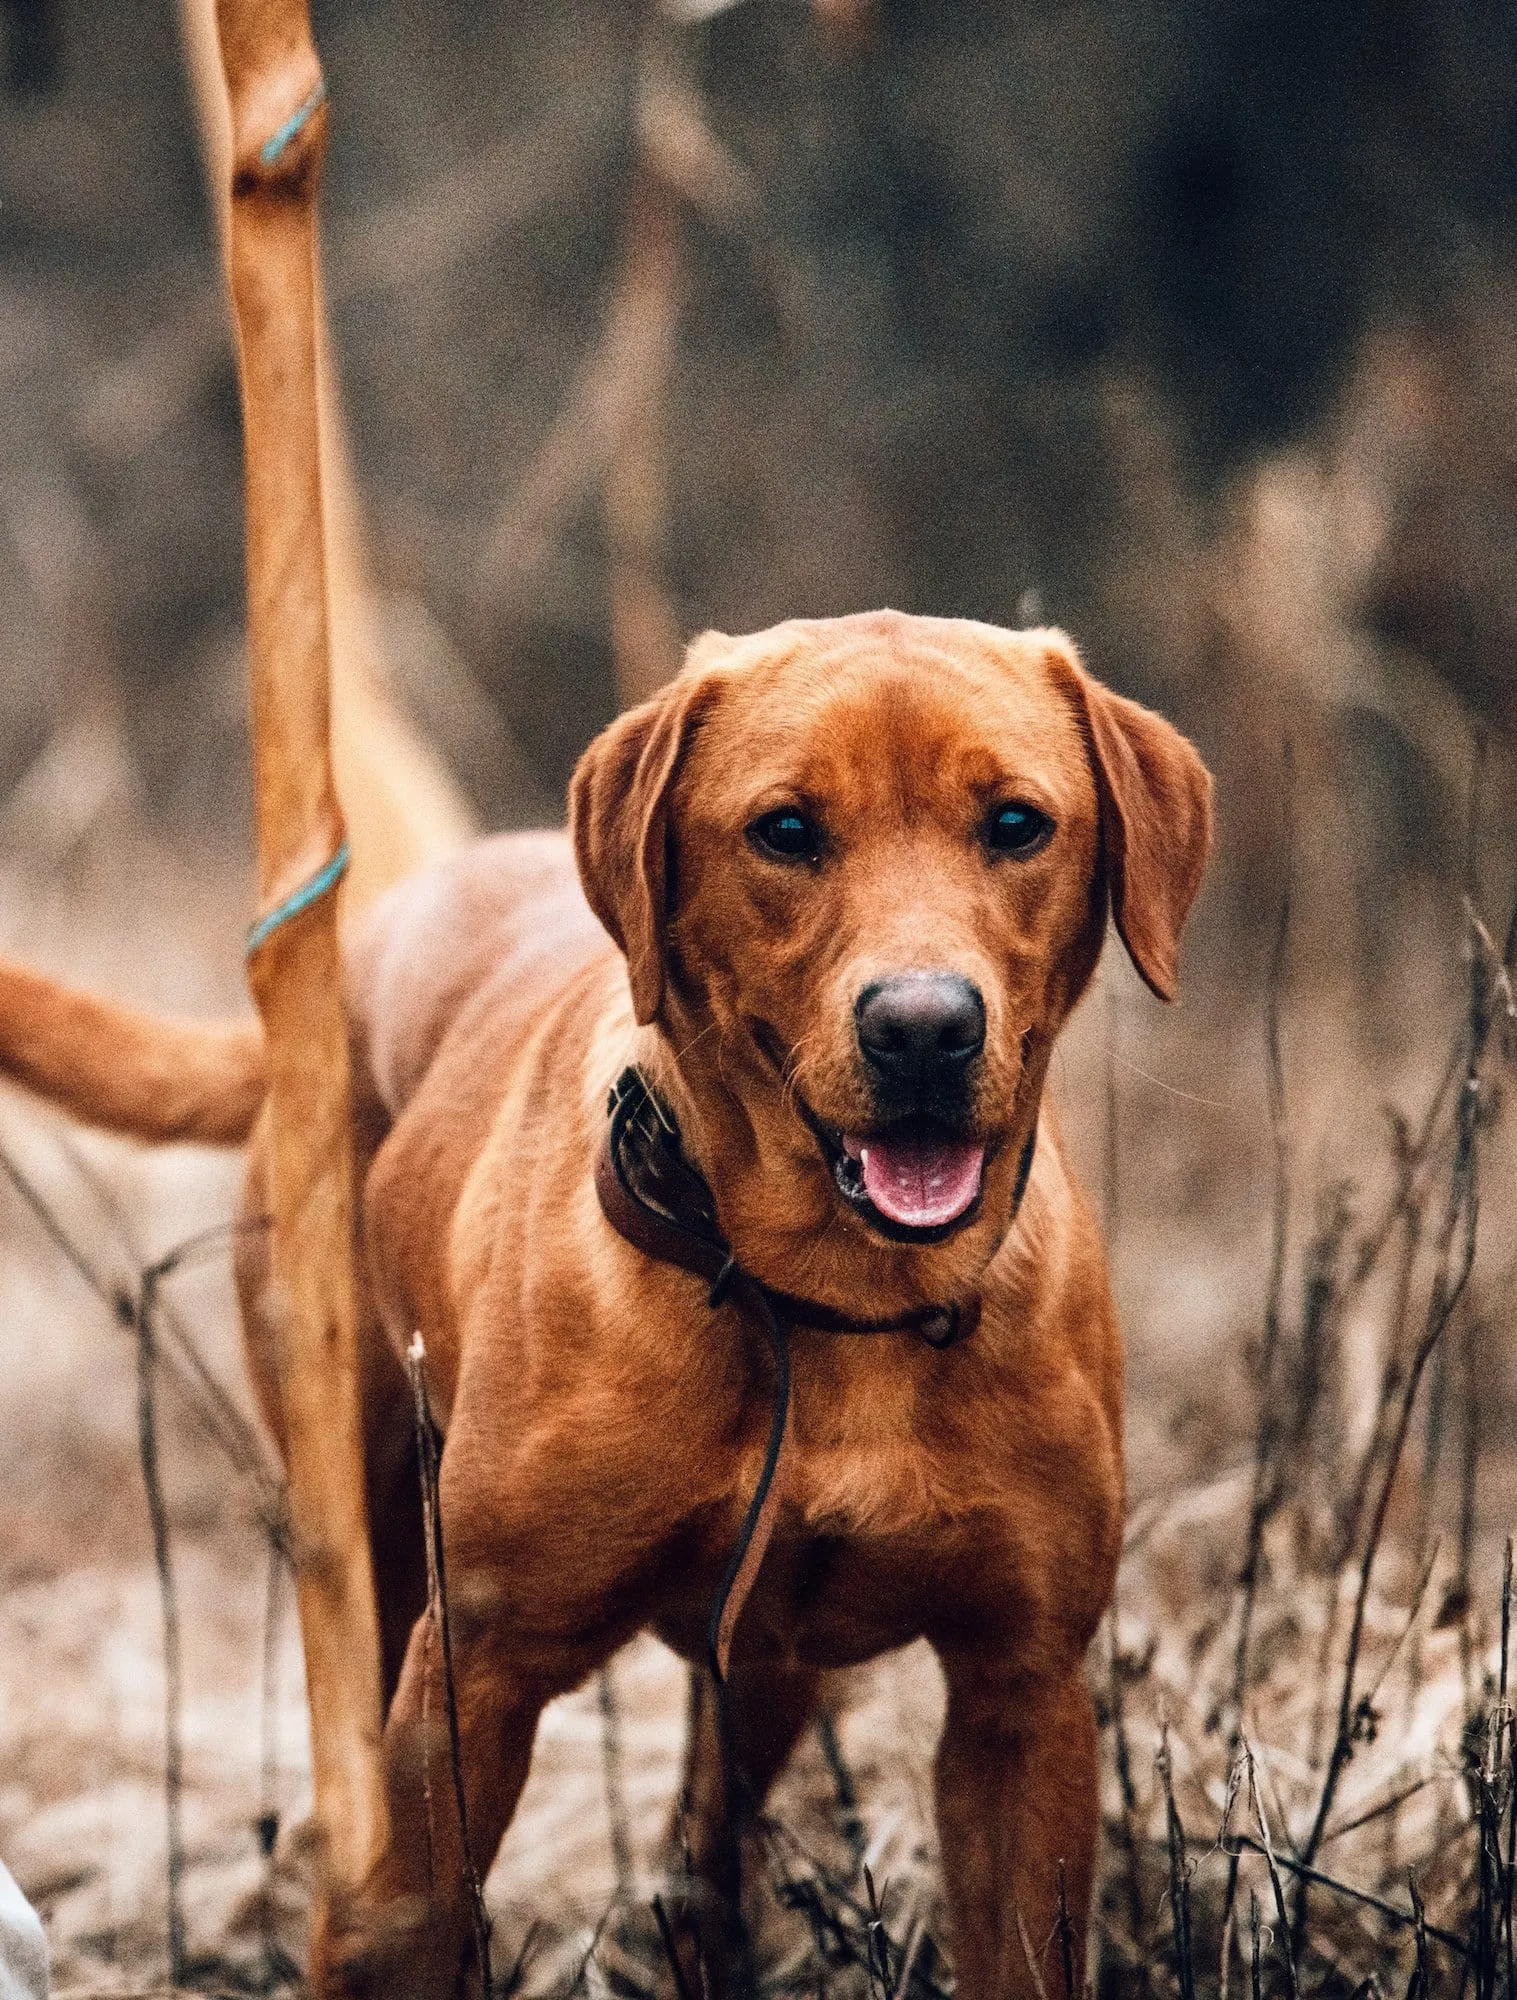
915	1180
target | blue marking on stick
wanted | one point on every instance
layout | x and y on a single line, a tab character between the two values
272	147
300	899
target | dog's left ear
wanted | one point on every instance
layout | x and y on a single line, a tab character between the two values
1156	817
619	822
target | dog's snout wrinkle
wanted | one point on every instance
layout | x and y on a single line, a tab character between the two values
921	1028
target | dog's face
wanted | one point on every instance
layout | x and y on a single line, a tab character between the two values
860	869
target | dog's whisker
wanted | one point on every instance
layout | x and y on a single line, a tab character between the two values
819	1243
709	1029
654	1102
1173	1089
794	1069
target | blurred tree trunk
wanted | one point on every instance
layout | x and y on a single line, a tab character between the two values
645	628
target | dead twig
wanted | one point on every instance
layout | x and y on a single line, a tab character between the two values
1277	1888
144	1309
1128	1792
854	1831
1320	1878
267	1824
1423	1931
1066	1941
1459	1223
438	1622
1028	1953
203	1399
611	1768
671	1949
168	1596
1509	1872
1265	1499
1264	1493
220	1416
1179	1871
831	1911
877	1941
1379	1810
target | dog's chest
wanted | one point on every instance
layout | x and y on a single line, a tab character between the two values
916	1504
862	1461
869	1529
841	1584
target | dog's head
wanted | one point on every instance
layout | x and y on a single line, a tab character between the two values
860	870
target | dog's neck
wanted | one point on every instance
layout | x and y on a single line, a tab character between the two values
652	1196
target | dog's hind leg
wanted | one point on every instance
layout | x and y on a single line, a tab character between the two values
767	1705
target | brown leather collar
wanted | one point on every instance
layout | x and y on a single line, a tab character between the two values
654	1198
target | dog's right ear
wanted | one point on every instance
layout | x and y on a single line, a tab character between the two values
619	819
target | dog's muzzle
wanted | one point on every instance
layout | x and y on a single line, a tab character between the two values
916	1170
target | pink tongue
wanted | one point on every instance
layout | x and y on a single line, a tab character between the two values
922	1183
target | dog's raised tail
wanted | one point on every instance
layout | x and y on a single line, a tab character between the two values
112	1067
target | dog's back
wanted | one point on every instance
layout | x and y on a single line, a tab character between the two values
503	926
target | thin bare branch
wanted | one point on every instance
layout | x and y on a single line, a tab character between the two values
1179	1871
1286	1950
1450	1274
437	1614
1264	1498
168	1595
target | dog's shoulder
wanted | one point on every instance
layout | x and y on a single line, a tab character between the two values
1049	1287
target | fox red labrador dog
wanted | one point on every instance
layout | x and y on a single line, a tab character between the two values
750	1234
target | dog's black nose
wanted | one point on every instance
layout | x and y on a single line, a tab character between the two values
921	1027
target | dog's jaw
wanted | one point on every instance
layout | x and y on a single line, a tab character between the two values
917	1178
912	1183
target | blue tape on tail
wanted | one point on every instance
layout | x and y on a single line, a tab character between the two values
299	899
273	146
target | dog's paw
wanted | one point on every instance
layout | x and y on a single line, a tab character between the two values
366	1947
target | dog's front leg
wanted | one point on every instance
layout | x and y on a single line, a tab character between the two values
1017	1798
768	1704
411	1928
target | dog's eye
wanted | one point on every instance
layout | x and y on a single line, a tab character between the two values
1019	829
787	835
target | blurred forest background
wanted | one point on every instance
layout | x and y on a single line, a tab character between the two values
1191	327
1188	326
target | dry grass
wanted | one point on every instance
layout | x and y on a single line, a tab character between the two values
1348	1460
